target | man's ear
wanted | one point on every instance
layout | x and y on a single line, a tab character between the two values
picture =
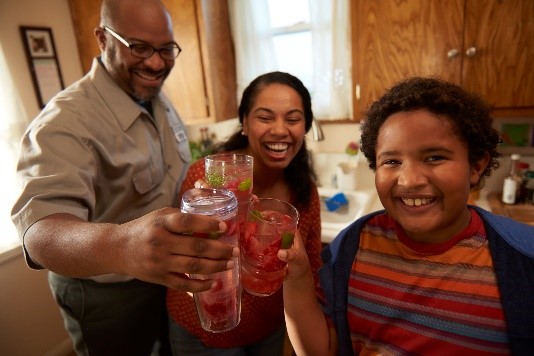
100	38
477	170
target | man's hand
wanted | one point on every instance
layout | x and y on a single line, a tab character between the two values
154	248
164	252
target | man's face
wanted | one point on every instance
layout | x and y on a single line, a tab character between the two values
141	78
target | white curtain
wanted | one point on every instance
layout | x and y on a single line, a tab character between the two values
331	51
251	32
331	47
11	126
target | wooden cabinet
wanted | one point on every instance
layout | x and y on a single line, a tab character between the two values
85	16
202	85
486	46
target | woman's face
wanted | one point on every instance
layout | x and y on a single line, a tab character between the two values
423	176
275	126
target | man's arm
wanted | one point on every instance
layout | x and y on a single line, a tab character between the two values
151	248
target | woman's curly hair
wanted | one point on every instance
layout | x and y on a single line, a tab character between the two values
469	114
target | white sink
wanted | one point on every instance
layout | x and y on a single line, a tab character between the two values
359	204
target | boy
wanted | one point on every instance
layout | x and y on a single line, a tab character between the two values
429	274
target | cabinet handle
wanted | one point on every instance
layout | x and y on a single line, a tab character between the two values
471	52
357	92
452	53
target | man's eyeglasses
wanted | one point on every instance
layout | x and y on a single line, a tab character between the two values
143	50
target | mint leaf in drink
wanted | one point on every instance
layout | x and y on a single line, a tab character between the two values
256	215
287	239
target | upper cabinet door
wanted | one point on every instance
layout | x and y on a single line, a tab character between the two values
186	85
486	46
392	40
85	18
499	35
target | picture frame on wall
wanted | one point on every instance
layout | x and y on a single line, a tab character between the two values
42	60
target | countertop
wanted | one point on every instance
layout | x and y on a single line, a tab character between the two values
490	201
519	212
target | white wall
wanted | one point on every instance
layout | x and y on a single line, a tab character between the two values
30	322
337	136
49	13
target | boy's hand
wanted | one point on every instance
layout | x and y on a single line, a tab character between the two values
297	259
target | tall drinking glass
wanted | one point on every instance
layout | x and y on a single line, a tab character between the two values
271	225
233	172
219	308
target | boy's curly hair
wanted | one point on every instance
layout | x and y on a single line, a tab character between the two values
469	114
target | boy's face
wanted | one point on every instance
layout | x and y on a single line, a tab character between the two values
423	175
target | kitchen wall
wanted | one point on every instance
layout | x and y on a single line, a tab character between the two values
30	322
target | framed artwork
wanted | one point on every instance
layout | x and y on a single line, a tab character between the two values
42	62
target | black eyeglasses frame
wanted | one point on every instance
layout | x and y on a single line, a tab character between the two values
152	49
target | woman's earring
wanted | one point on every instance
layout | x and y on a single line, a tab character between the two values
243	133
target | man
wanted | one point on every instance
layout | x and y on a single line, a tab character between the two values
101	166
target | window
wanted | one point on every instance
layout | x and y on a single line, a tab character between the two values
307	38
9	141
292	38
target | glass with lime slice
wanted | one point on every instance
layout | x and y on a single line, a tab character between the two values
271	225
233	172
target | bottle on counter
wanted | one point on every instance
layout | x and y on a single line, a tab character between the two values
512	182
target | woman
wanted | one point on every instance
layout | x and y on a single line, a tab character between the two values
275	114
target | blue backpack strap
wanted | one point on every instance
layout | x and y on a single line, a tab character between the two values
519	236
334	276
515	278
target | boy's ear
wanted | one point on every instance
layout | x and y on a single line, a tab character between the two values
478	169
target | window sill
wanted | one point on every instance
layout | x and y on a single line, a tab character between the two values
10	252
337	121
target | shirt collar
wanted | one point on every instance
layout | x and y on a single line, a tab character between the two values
124	108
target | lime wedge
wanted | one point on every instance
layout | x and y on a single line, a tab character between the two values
215	180
245	185
287	239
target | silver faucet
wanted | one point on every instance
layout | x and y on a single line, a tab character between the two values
317	131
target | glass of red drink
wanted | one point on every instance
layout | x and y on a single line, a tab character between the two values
270	226
219	309
233	172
